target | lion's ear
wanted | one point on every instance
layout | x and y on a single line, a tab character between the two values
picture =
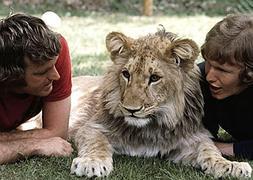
118	44
184	52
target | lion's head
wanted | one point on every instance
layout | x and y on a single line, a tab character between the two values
150	77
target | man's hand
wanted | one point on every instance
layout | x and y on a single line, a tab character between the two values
225	148
54	146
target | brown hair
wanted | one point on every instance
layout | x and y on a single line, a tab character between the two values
23	36
231	41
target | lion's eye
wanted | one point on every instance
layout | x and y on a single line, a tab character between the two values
154	78
126	74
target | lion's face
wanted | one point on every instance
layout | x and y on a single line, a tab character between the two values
150	73
145	86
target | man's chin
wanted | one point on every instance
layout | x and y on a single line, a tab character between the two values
219	96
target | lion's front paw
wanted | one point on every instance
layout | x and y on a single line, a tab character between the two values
91	167
241	169
225	168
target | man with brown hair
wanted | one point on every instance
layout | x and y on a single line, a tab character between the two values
228	89
35	75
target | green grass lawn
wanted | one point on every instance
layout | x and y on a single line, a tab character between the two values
124	168
86	38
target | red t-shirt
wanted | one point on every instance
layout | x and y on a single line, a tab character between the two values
16	109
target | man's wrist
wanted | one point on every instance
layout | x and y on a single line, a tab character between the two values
226	149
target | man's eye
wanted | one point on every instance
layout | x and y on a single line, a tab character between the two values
40	73
223	70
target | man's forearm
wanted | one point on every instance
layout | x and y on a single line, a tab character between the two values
13	150
16	135
225	148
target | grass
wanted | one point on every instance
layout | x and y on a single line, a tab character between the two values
86	38
125	168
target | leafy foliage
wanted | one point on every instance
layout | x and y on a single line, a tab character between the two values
245	6
134	7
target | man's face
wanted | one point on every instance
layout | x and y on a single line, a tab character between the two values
39	78
223	79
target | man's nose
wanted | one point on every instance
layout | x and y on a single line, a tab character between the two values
210	74
54	75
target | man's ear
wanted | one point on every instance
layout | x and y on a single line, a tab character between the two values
118	45
184	52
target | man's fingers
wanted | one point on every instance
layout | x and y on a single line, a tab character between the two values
68	149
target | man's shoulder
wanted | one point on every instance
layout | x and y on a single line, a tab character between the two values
63	57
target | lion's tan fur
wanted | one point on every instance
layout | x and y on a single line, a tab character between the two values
148	103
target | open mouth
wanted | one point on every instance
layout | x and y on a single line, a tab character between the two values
215	89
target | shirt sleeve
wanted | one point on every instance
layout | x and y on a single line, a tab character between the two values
244	149
62	87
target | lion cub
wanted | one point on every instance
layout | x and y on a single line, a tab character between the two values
148	103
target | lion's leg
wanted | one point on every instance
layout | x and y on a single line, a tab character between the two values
94	153
210	160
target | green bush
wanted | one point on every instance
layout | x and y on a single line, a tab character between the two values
131	7
245	6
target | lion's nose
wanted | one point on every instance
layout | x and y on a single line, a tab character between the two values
133	110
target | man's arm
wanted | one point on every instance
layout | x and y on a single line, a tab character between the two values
13	150
55	123
243	149
225	148
56	117
46	141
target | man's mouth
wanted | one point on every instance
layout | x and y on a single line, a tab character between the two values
48	85
215	89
